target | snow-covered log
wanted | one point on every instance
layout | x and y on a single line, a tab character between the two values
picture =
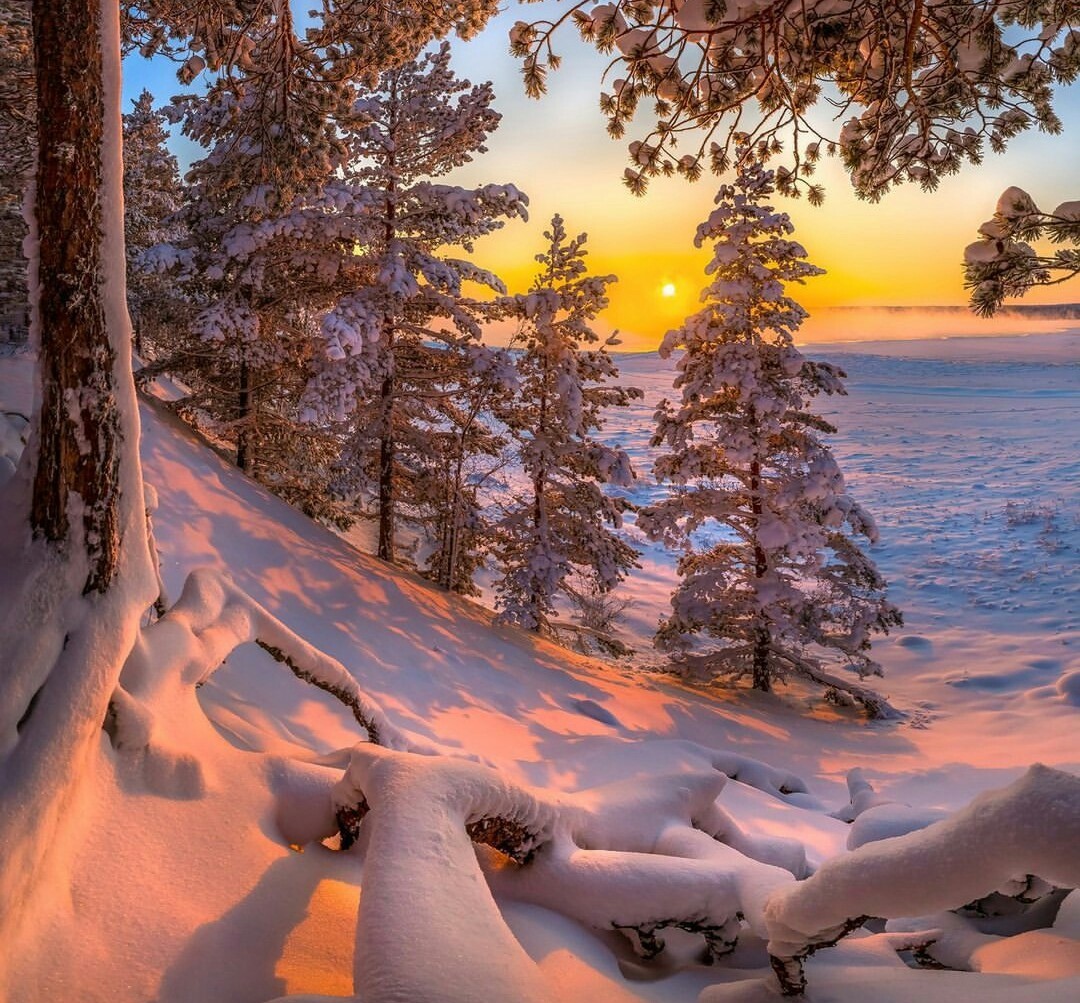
429	928
1030	827
873	817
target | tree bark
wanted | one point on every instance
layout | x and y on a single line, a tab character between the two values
245	458
761	672
79	431
386	471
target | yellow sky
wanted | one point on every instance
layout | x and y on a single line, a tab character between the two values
906	250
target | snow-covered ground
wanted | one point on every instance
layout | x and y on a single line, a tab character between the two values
967	459
963	450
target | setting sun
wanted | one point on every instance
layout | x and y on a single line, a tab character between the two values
667	289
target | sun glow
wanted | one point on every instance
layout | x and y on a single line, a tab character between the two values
667	289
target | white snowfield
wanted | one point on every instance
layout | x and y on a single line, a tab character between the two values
666	843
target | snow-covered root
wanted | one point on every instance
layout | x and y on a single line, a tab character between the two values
637	893
755	773
705	666
687	881
188	644
429	928
62	656
631	815
1031	827
624	856
874	817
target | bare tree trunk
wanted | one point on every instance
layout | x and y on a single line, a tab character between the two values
386	435
453	543
539	487
79	431
386	470
761	673
245	454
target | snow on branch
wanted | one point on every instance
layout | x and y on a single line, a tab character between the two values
1031	827
916	89
1003	263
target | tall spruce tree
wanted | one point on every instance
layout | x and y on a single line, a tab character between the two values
559	523
153	198
785	589
397	346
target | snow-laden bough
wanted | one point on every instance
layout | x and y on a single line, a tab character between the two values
1031	827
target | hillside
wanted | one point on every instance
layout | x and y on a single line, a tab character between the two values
182	891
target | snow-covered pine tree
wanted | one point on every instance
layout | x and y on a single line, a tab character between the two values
395	344
919	88
468	451
558	523
260	256
784	589
153	197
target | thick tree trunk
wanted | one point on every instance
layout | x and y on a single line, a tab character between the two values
75	593
79	431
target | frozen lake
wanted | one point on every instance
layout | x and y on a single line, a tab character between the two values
965	452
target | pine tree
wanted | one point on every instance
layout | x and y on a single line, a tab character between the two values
559	523
153	197
398	345
785	588
468	450
920	88
1003	264
261	255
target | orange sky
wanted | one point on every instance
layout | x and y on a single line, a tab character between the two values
906	250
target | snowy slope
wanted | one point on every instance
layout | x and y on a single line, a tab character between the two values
196	895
